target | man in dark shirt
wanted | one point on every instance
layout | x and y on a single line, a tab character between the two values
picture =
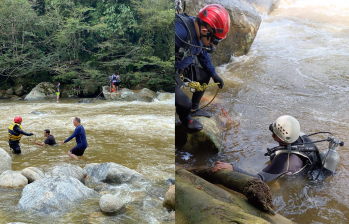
50	140
15	133
210	27
80	138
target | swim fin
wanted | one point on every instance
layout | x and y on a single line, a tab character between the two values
200	113
192	125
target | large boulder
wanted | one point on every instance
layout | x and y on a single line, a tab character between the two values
125	94
53	195
112	173
69	170
19	90
10	91
3	94
263	6
111	204
15	98
169	199
13	180
209	138
44	90
244	24
165	96
32	174
5	161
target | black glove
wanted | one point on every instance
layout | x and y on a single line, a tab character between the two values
30	134
219	80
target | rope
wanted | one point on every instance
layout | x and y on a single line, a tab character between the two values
198	87
211	100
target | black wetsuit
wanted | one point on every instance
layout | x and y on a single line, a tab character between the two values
14	145
193	72
279	163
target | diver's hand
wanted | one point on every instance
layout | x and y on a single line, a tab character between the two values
30	134
31	140
221	165
62	142
219	80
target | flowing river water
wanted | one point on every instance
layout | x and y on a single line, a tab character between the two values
137	135
297	65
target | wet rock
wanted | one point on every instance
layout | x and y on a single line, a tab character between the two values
156	192
244	24
13	180
53	195
5	161
170	217
169	199
262	6
19	90
69	170
3	94
101	187
138	197
112	173
146	95
32	174
170	181
125	94
43	90
37	112
110	204
97	217
15	98
10	91
164	96
209	138
85	101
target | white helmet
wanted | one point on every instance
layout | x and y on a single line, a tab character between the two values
287	128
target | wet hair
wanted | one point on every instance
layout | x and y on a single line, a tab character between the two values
77	119
47	131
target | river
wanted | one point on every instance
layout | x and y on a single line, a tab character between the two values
137	135
297	65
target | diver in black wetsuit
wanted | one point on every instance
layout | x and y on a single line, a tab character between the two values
15	133
289	158
194	38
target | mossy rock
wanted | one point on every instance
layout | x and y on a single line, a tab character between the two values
209	138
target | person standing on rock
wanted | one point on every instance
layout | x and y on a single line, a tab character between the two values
50	140
285	160
80	138
113	82
58	91
15	133
118	82
195	37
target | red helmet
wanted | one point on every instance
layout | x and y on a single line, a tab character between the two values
18	119
217	17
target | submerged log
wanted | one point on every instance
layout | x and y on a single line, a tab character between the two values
198	201
256	191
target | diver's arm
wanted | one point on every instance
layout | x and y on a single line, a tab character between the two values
19	130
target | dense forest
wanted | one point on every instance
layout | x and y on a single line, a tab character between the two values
82	42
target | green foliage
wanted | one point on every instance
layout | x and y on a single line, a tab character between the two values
82	42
